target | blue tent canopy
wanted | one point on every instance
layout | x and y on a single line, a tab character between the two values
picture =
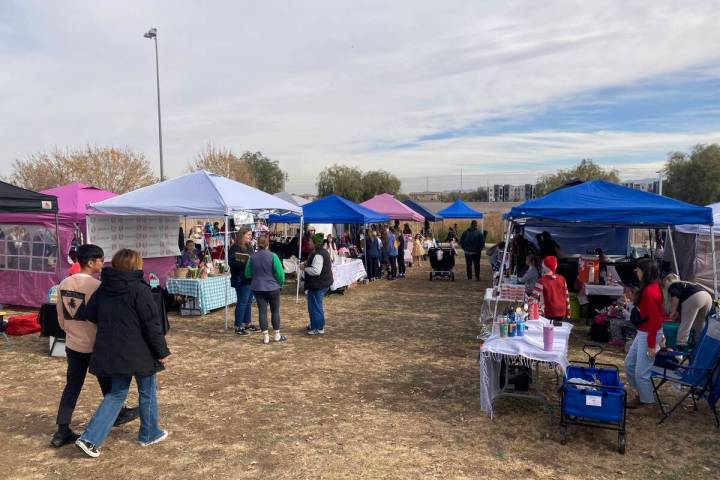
459	209
428	214
603	203
333	209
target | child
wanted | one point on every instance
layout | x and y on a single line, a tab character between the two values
618	324
554	291
418	252
427	245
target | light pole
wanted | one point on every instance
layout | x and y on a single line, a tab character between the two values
660	173
152	34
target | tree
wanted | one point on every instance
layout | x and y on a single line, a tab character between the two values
693	178
341	180
379	181
223	161
109	168
584	171
267	173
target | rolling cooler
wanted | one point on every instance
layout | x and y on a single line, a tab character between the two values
600	403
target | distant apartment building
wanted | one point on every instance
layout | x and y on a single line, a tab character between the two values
425	196
646	185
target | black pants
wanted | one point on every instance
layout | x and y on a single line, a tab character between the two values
373	266
264	299
472	260
78	364
392	272
401	263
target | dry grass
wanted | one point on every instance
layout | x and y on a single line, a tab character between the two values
391	391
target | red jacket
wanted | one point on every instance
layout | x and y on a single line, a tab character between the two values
555	295
651	308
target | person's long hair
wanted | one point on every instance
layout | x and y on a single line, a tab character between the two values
263	242
240	236
669	279
651	274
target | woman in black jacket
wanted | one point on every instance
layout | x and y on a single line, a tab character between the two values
129	343
238	256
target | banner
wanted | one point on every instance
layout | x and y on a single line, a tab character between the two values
153	237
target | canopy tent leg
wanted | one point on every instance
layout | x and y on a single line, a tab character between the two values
227	263
364	248
502	266
672	248
650	242
712	240
58	262
297	268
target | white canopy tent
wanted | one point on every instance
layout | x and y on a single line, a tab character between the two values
199	194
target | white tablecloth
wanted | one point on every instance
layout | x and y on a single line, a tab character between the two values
605	290
348	273
526	348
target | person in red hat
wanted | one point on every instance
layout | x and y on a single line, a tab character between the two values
554	291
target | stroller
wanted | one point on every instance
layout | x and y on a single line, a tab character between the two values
442	261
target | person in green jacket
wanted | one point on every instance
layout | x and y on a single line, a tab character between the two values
267	276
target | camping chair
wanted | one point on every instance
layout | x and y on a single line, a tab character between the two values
700	377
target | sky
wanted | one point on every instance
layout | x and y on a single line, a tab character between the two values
502	91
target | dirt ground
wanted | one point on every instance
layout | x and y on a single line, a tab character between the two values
391	391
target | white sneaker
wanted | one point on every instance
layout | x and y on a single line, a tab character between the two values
162	437
316	332
87	447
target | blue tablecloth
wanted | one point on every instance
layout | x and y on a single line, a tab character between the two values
209	291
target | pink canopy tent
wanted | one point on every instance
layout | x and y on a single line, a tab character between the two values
392	207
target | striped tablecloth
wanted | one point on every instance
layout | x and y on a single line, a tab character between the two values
209	291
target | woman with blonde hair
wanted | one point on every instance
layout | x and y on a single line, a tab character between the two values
129	343
690	302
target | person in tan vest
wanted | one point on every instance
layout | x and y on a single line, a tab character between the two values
73	295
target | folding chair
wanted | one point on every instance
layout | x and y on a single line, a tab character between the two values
700	377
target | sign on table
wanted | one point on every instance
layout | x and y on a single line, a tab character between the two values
153	237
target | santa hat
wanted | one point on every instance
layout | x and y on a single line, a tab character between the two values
551	263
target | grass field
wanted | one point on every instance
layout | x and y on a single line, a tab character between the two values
391	391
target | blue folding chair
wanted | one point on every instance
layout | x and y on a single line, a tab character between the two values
699	377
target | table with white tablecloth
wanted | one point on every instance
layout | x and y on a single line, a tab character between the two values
353	270
526	350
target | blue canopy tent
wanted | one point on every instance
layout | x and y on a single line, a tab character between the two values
428	214
332	209
600	203
460	209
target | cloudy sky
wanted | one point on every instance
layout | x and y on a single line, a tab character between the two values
502	90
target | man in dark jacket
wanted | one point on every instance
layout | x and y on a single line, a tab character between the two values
472	243
318	279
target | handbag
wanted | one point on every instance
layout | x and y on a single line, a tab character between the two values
635	317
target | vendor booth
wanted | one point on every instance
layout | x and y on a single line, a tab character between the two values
694	250
461	211
396	210
336	209
30	259
199	194
427	214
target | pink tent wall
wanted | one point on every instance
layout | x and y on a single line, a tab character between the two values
392	207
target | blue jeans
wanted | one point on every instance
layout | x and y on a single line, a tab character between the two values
105	415
243	314
638	366
315	308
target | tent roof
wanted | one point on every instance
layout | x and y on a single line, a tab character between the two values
460	209
605	203
197	194
392	207
294	199
333	209
704	229
19	200
74	198
429	215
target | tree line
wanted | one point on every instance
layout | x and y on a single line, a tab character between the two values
691	177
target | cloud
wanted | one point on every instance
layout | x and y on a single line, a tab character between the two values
321	82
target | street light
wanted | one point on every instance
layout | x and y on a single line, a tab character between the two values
152	34
660	173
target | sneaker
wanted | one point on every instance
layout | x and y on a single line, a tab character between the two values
251	328
281	338
241	332
61	439
316	331
126	415
266	340
87	447
162	437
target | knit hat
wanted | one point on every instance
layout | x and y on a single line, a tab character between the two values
551	263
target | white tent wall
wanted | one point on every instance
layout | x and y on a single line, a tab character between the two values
694	257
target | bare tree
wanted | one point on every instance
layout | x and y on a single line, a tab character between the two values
110	168
223	162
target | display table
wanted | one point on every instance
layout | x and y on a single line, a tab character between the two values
488	306
210	292
353	270
526	350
